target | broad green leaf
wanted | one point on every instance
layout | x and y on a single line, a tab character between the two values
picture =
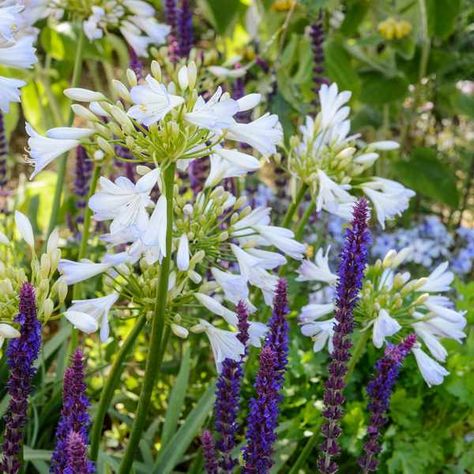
378	89
30	454
442	16
355	13
339	67
176	400
171	455
429	176
221	13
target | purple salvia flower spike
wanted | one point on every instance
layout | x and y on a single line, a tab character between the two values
76	455
228	397
264	407
317	41
353	260
185	29
74	415
3	153
82	180
198	171
209	452
21	355
136	65
172	20
380	390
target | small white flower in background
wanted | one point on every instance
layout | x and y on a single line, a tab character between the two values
223	72
319	270
9	92
152	101
332	163
224	344
25	229
45	149
392	303
92	314
7	332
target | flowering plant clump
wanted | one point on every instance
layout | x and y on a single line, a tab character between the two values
224	229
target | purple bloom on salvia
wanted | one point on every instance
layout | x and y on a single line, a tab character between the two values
21	355
76	455
82	180
185	29
353	260
74	416
277	337
263	416
128	167
264	407
172	20
209	452
317	40
227	397
380	390
136	64
198	171
3	152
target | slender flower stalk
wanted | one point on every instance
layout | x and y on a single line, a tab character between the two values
209	452
264	407
317	42
3	152
21	355
76	455
74	416
81	181
185	29
228	396
380	390
353	261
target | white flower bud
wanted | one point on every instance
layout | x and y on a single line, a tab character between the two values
80	111
121	90
98	155
105	146
194	277
4	239
25	229
179	331
183	79
83	95
388	259
53	242
48	307
192	74
123	119
62	289
45	266
156	70
131	78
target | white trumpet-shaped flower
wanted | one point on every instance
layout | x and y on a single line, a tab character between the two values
25	228
438	280
7	332
152	102
20	54
75	272
9	92
384	326
282	239
432	372
321	331
317	271
92	314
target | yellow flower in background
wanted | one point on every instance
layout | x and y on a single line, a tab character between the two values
283	5
391	28
309	252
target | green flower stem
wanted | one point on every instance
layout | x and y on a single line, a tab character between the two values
61	173
158	324
304	454
293	207
111	383
357	353
304	220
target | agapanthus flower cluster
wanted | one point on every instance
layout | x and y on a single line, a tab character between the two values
332	163
16	49
392	304
51	290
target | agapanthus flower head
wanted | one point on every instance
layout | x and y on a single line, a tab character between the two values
333	163
392	303
353	260
74	417
380	390
22	352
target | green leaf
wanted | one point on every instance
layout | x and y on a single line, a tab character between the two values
442	16
355	13
378	89
176	401
171	455
430	177
339	67
222	13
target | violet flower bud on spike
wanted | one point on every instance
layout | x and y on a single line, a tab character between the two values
76	455
3	153
21	355
228	387
74	416
185	29
353	260
209	452
317	42
82	180
380	390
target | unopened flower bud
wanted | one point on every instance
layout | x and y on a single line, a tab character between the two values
48	307
45	266
81	111
123	119
179	331
192	74
224	236
156	70
131	78
183	79
105	146
388	259
194	277
121	90
53	242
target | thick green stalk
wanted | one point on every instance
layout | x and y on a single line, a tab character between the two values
357	353
293	207
111	383
61	173
157	329
304	220
304	454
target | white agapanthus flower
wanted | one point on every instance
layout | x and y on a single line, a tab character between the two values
7	332
333	163
135	19
75	272
90	315
392	303
16	50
